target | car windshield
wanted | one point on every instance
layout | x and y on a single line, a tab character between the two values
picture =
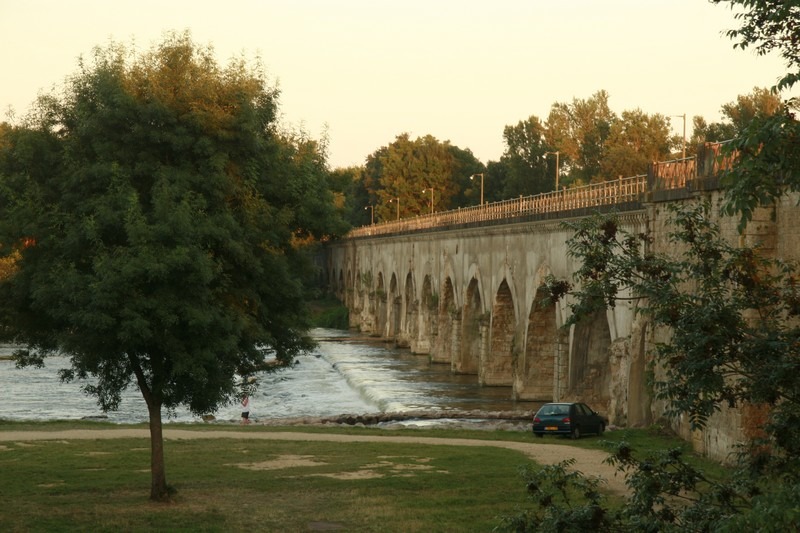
554	410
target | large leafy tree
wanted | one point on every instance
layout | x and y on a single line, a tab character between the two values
579	130
155	213
524	159
635	140
467	189
415	171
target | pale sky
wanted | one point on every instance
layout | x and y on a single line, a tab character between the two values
364	71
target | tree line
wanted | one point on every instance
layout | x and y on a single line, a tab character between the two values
580	142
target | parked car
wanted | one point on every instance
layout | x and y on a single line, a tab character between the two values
573	419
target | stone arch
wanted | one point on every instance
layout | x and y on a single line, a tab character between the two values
443	351
421	343
496	367
589	366
473	331
379	304
394	303
544	363
411	317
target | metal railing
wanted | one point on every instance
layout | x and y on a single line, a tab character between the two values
662	175
597	194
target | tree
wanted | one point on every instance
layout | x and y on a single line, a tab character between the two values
406	168
153	208
524	159
737	116
579	131
348	188
635	140
467	190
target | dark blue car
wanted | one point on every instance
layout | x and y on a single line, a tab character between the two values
573	419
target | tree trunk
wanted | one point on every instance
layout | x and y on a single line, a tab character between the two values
158	487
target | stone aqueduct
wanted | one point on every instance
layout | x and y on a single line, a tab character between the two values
464	287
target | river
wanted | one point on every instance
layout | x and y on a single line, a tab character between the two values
347	373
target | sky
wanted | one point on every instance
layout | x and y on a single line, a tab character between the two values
361	72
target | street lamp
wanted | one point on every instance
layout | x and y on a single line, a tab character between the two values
556	154
426	190
372	212
481	175
397	201
683	152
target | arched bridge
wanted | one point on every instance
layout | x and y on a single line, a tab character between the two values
464	287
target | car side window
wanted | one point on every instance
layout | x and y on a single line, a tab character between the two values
584	409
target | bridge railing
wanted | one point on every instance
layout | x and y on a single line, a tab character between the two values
662	175
587	196
674	174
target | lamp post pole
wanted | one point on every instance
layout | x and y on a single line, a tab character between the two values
397	201
372	213
556	154
426	190
481	175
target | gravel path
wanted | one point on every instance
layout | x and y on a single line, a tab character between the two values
590	462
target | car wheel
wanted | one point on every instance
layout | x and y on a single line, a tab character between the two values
602	429
576	433
540	435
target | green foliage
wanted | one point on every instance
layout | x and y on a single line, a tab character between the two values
524	159
329	313
564	501
579	130
635	140
767	155
667	493
767	148
415	173
737	116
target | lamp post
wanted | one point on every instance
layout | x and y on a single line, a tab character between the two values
481	175
372	213
683	151
397	201
556	154
426	190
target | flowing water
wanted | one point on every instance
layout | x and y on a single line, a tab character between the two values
347	374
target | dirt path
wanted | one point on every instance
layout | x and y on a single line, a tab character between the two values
590	462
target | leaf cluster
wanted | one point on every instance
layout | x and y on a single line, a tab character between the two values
666	494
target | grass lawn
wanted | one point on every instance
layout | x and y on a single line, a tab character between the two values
265	485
